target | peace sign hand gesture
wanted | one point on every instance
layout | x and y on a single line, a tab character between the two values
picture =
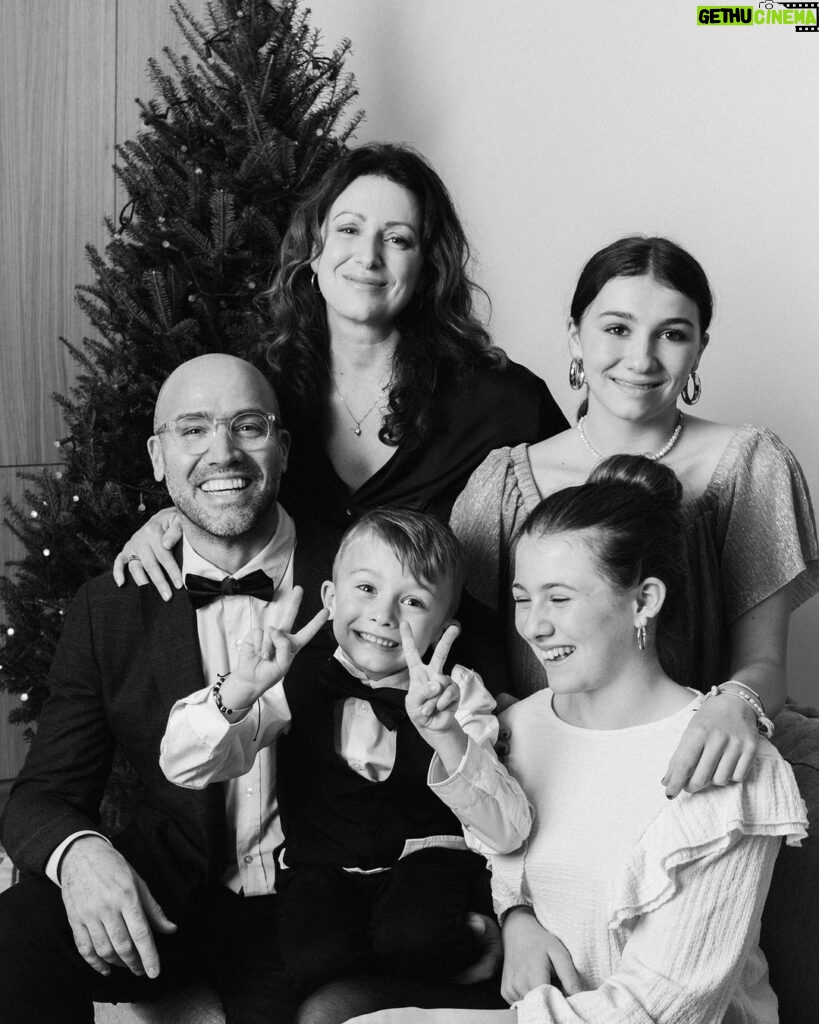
265	655
433	697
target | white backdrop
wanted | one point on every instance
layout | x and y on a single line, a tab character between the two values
560	126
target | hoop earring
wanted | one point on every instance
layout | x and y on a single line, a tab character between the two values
314	283
577	375
641	638
692	399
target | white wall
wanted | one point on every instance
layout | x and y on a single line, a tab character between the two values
562	126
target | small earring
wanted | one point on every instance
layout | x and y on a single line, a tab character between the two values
577	375
314	283
641	638
692	399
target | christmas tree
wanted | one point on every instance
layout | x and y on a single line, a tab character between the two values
235	135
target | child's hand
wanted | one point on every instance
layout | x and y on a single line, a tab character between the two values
433	697
265	655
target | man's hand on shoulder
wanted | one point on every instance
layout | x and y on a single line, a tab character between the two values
110	909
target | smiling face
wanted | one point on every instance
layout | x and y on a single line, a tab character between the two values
371	595
639	340
225	493
580	627
370	260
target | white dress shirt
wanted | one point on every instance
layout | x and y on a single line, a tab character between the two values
251	806
252	810
200	747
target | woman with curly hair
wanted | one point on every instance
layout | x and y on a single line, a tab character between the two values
389	384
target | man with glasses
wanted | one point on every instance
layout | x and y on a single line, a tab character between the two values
186	890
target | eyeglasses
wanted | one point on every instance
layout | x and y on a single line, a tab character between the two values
249	431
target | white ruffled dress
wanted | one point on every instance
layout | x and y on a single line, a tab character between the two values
659	902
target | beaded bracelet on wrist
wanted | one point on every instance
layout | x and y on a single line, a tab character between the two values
745	688
763	723
216	694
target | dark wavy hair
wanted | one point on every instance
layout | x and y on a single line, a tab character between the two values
668	263
440	335
632	506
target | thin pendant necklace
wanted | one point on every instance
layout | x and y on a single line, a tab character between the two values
654	456
357	421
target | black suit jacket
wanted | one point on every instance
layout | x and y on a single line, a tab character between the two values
124	657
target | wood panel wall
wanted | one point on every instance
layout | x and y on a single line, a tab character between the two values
69	73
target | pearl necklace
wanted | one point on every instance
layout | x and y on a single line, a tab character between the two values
654	456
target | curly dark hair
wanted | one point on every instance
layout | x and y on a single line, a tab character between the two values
440	335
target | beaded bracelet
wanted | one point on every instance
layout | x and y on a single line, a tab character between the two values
745	688
746	695
215	691
751	698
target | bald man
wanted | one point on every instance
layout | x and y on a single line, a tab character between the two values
186	889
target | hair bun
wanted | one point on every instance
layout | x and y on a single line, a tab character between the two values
648	476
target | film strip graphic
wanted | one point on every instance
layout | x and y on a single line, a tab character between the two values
802	7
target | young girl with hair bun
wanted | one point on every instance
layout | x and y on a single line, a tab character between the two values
649	909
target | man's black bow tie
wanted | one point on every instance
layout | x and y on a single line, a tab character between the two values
202	591
387	702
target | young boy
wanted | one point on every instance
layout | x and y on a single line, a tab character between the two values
374	872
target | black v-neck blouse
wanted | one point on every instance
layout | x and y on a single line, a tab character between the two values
492	407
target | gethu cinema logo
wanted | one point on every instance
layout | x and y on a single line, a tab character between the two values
801	15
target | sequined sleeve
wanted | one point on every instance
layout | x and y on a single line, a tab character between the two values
481	520
768	525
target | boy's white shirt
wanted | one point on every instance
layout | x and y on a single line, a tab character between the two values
201	747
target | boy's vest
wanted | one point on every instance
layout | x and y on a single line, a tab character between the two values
332	815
